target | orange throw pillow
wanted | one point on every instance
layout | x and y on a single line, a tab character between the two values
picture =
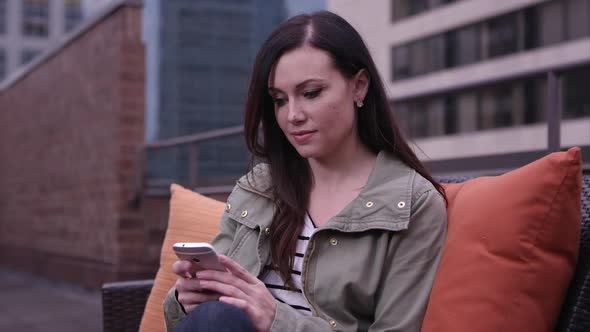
511	249
193	218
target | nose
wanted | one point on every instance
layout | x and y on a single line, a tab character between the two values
296	113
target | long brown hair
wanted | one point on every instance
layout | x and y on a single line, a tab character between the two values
290	173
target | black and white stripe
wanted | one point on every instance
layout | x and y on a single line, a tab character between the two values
276	285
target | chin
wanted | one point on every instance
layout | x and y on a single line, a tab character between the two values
308	152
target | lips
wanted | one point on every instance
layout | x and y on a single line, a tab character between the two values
302	136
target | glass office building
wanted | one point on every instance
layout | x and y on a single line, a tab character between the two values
199	58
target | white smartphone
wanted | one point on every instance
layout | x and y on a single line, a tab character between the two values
203	254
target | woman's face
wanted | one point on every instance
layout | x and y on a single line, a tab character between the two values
314	102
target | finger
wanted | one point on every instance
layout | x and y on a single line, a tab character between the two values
242	304
190	285
195	298
223	289
225	278
183	267
237	270
189	307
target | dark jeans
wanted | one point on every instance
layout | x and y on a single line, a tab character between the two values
216	316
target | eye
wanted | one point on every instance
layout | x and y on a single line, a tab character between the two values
278	101
310	94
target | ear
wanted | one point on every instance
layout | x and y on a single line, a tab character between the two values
360	85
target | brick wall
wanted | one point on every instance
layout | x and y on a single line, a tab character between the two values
70	130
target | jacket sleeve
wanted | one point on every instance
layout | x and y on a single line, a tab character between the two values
173	311
405	286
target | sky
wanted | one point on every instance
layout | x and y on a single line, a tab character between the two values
89	7
295	7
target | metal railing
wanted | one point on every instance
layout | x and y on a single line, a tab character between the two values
554	92
192	142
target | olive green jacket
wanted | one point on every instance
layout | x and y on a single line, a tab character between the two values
369	268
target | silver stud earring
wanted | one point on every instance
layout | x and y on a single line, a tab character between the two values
359	103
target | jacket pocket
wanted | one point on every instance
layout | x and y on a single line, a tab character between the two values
253	214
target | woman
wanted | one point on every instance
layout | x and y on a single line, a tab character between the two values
341	228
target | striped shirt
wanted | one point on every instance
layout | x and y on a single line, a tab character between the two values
276	285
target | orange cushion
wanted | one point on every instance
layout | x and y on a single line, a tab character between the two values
511	249
193	218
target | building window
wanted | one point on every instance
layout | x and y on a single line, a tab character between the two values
501	105
535	96
28	55
503	114
450	112
502	35
533	27
401	62
435	53
3	16
578	18
72	14
422	117
463	46
576	99
405	8
36	18
418	119
420	57
551	27
2	64
454	48
506	104
467	110
544	25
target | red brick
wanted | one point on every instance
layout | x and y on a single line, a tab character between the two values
69	135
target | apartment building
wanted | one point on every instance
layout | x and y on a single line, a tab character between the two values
29	27
469	78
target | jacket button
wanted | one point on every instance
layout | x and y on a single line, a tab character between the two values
227	207
267	231
401	204
244	214
333	323
369	204
333	241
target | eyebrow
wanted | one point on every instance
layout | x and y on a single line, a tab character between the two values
298	86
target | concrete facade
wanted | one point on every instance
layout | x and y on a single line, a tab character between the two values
467	83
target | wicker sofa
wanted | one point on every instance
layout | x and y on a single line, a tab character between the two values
124	302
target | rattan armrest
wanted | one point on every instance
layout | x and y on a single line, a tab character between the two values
123	304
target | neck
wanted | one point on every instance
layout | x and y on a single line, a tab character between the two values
348	167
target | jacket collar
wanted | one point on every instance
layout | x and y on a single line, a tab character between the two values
384	203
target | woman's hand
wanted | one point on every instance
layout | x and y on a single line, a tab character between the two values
240	288
190	293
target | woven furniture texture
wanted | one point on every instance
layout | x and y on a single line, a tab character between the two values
123	304
575	312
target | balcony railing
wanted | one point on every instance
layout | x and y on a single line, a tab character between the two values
194	141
